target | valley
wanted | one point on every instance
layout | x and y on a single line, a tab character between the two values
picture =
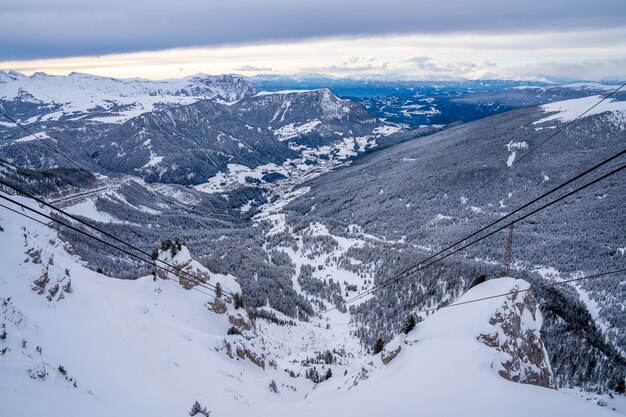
306	198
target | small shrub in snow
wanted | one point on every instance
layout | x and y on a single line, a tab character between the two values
273	386
62	370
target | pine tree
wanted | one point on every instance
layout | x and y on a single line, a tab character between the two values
155	254
329	374
196	408
238	301
378	346
478	280
218	290
620	388
409	324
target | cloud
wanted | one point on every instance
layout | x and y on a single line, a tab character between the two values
252	68
32	29
559	55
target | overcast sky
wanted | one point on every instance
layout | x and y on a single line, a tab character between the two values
556	39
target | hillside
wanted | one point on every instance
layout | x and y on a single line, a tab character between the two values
302	200
210	131
421	195
64	344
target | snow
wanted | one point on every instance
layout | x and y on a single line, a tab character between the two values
386	130
153	347
568	110
119	99
131	345
153	161
246	207
88	209
36	136
512	146
510	159
295	171
269	93
291	131
591	86
442	370
441	218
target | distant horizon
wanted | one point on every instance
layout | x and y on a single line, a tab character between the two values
311	76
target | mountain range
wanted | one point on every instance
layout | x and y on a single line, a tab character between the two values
300	199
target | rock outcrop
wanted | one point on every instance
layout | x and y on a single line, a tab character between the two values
516	334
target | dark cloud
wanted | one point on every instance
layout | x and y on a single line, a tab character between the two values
44	29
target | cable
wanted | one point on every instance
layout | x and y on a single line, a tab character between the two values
393	280
409	270
562	128
516	211
25	215
199	283
554	284
52	227
582	174
45	203
41	201
419	267
56	150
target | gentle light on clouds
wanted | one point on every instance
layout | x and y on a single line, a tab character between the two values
591	54
414	39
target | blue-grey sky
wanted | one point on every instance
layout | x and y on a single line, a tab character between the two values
49	34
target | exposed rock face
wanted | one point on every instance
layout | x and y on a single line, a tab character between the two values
186	270
217	306
188	283
388	356
516	334
240	322
243	353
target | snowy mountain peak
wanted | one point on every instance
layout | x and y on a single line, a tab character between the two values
80	95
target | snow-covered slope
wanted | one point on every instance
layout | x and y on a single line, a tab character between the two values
568	110
113	100
80	342
76	342
445	367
